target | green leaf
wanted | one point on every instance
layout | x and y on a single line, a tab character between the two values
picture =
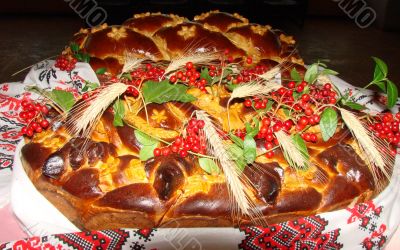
295	75
249	149
328	123
101	71
127	75
301	145
392	94
269	105
144	139
63	98
226	72
119	112
74	47
232	86
79	57
286	111
237	140
205	75
353	105
90	86
329	72
161	92
209	165
381	85
311	73
85	58
381	70
236	154
253	131
147	152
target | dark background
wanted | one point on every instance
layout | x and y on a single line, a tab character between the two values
31	31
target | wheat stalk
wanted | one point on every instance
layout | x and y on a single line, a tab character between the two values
291	151
254	89
249	90
270	73
195	58
373	149
86	116
236	182
131	62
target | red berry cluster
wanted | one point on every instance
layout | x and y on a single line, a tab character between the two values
148	72
192	142
132	91
247	74
65	64
387	128
33	114
192	77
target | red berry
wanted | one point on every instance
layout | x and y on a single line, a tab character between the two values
307	137
300	88
291	85
268	145
38	129
313	138
178	141
44	124
183	153
85	96
269	154
34	125
303	121
29	133
305	97
332	100
24	130
174	148
249	60
157	152
172	79
189	65
316	118
269	137
247	103
165	151
179	74
266	121
308	111
200	124
327	86
277	127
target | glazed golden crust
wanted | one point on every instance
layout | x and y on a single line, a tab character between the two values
160	37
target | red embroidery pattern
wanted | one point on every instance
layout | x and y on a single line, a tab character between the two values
34	243
367	215
106	239
144	234
304	233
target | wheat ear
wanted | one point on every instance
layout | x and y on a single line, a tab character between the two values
236	182
373	149
86	116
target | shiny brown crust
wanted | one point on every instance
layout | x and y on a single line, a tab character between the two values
108	186
163	37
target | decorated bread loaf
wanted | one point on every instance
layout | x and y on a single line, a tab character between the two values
213	122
